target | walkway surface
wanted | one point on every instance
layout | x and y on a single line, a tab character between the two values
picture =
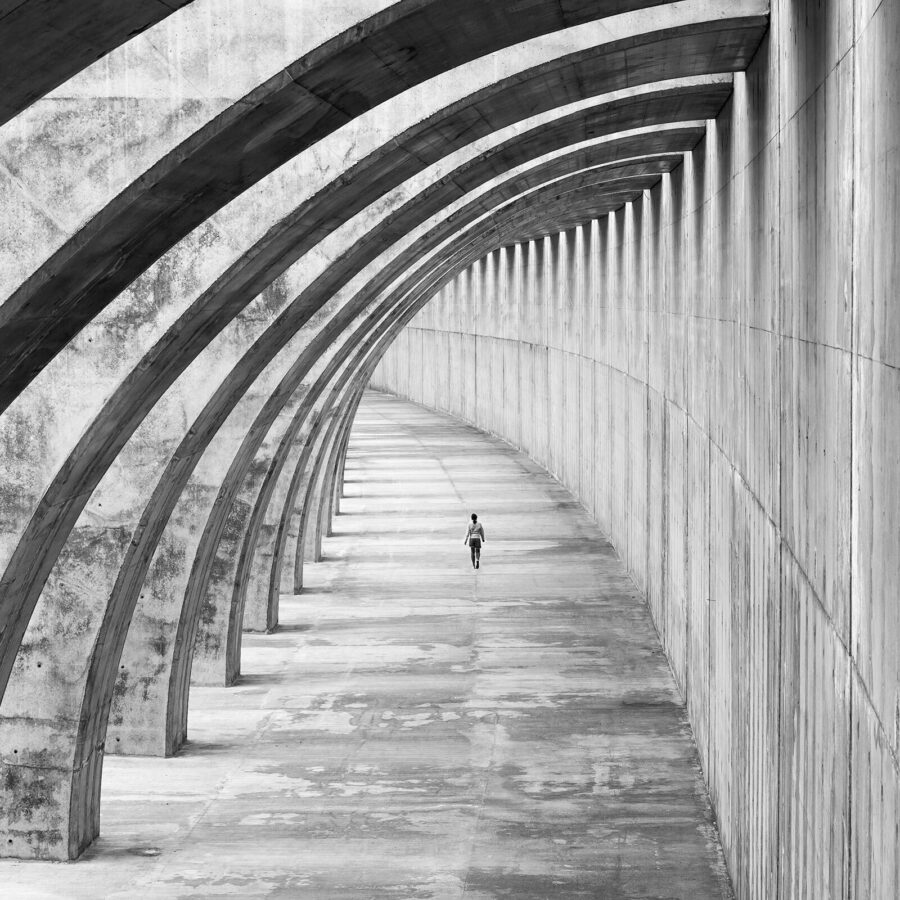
419	730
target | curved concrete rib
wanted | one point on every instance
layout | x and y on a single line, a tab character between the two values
332	482
232	566
496	107
306	467
311	480
155	375
320	526
272	553
45	535
323	482
240	480
45	42
363	359
249	486
338	492
389	52
112	633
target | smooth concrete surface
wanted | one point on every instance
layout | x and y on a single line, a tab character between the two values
417	729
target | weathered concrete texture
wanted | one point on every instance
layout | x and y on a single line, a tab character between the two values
416	729
710	371
140	317
99	679
149	703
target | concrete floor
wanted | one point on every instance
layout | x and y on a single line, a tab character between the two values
419	730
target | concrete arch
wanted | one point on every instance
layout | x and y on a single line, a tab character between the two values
68	155
223	504
702	339
727	270
503	103
81	820
257	489
192	326
386	314
222	509
329	462
731	276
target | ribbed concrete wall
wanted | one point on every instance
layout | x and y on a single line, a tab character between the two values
714	372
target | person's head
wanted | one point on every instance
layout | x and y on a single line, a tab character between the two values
474	517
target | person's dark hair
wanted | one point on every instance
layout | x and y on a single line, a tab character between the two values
474	517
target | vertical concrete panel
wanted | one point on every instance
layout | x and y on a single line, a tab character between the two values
875	613
601	505
875	625
875	812
570	431
655	518
815	469
674	611
699	563
719	635
815	746
588	434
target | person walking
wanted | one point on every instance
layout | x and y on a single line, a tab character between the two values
475	538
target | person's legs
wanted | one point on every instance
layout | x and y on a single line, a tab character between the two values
478	557
473	550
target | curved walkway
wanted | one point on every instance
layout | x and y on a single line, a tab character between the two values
416	729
